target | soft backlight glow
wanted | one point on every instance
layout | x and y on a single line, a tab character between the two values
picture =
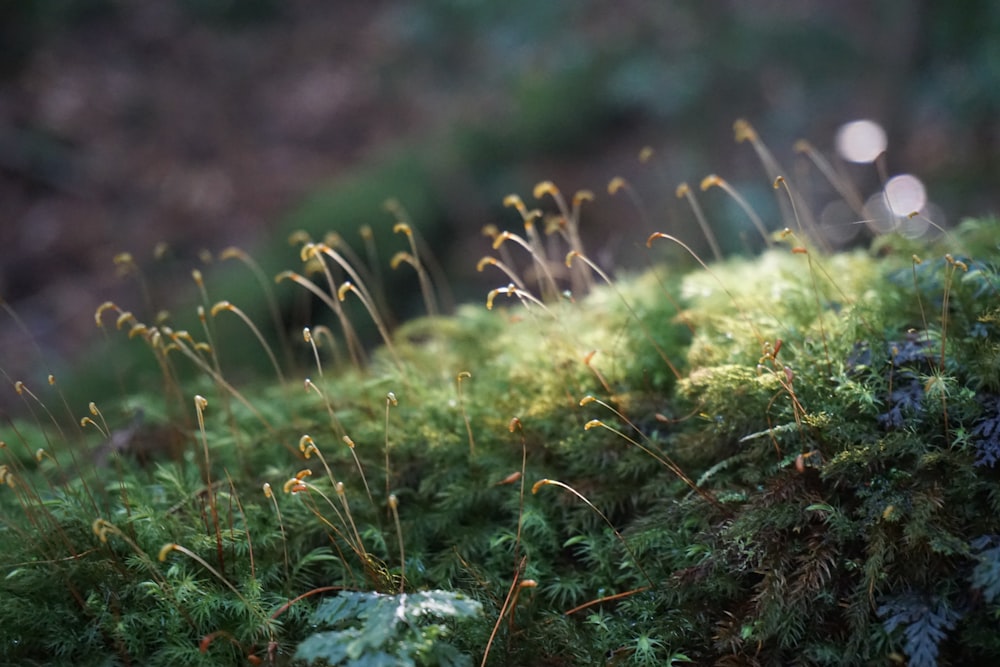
861	141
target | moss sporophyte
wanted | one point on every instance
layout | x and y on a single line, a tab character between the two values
787	455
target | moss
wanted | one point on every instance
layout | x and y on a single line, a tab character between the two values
780	459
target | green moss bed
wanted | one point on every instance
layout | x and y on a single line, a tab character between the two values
785	459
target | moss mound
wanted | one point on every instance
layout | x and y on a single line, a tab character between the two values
781	460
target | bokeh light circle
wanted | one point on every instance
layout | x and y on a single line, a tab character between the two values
929	224
905	194
861	141
838	223
878	216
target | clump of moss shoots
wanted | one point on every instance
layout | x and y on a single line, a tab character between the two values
783	459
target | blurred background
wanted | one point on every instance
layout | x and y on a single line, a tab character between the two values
168	128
